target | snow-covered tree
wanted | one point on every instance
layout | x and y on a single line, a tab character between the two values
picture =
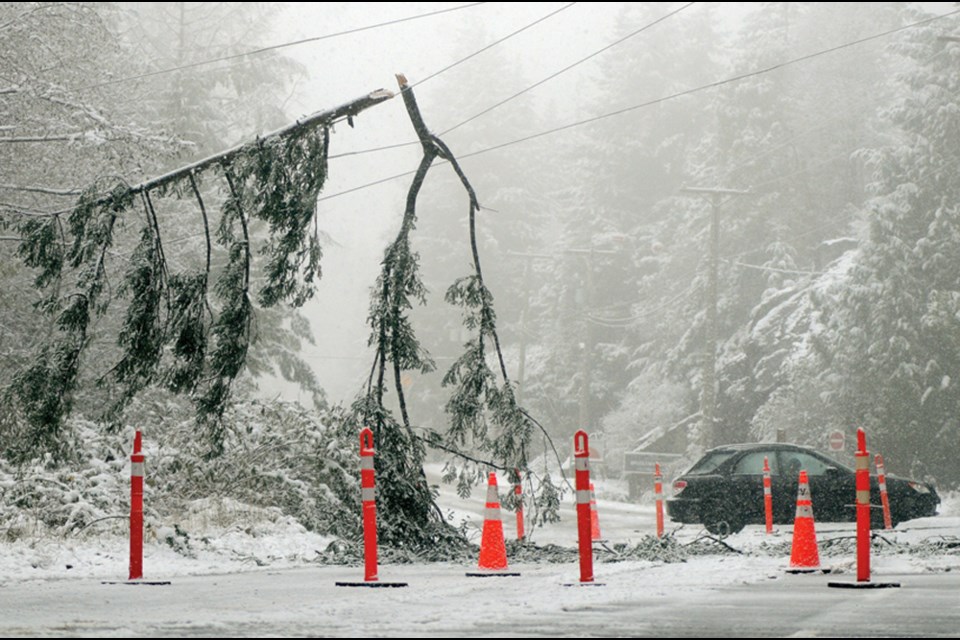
894	332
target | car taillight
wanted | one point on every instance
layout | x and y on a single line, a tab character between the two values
678	486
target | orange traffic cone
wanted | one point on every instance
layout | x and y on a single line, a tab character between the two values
493	550
804	555
594	517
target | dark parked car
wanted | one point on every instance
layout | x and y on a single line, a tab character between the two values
724	489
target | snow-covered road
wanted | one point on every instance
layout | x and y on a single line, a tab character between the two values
698	598
261	578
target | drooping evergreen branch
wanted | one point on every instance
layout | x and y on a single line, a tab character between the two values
288	174
232	329
406	496
487	309
142	335
275	179
206	221
45	388
475	390
320	119
236	211
158	240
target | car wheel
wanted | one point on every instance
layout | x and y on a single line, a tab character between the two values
721	520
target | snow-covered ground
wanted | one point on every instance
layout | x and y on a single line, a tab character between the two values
235	570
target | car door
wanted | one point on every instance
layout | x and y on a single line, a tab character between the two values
784	484
831	486
746	479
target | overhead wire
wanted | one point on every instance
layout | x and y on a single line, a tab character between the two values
429	77
493	44
837	221
634	107
499	41
283	45
679	94
528	88
631	320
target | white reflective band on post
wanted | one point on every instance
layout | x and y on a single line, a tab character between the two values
366	462
368	493
492	513
766	491
136	469
583	497
581	464
804	511
863	462
863	497
883	485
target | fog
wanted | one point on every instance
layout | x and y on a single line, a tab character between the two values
703	222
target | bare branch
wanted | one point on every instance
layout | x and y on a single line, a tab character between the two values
322	118
552	446
18	18
431	442
206	222
50	191
26	139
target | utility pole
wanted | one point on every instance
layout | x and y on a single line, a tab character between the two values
708	396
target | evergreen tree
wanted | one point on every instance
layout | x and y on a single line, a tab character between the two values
767	139
893	338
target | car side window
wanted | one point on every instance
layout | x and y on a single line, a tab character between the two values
752	463
795	461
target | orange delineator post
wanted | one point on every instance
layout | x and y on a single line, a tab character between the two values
767	496
594	516
658	493
136	509
581	456
884	498
518	492
863	507
368	501
368	497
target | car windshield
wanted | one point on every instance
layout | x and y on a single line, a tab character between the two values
709	462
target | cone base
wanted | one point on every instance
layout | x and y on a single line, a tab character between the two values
385	585
864	585
796	570
583	584
492	574
151	583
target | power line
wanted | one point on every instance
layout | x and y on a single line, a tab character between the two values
571	66
622	323
527	89
712	85
281	46
746	162
493	44
649	103
836	221
760	267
